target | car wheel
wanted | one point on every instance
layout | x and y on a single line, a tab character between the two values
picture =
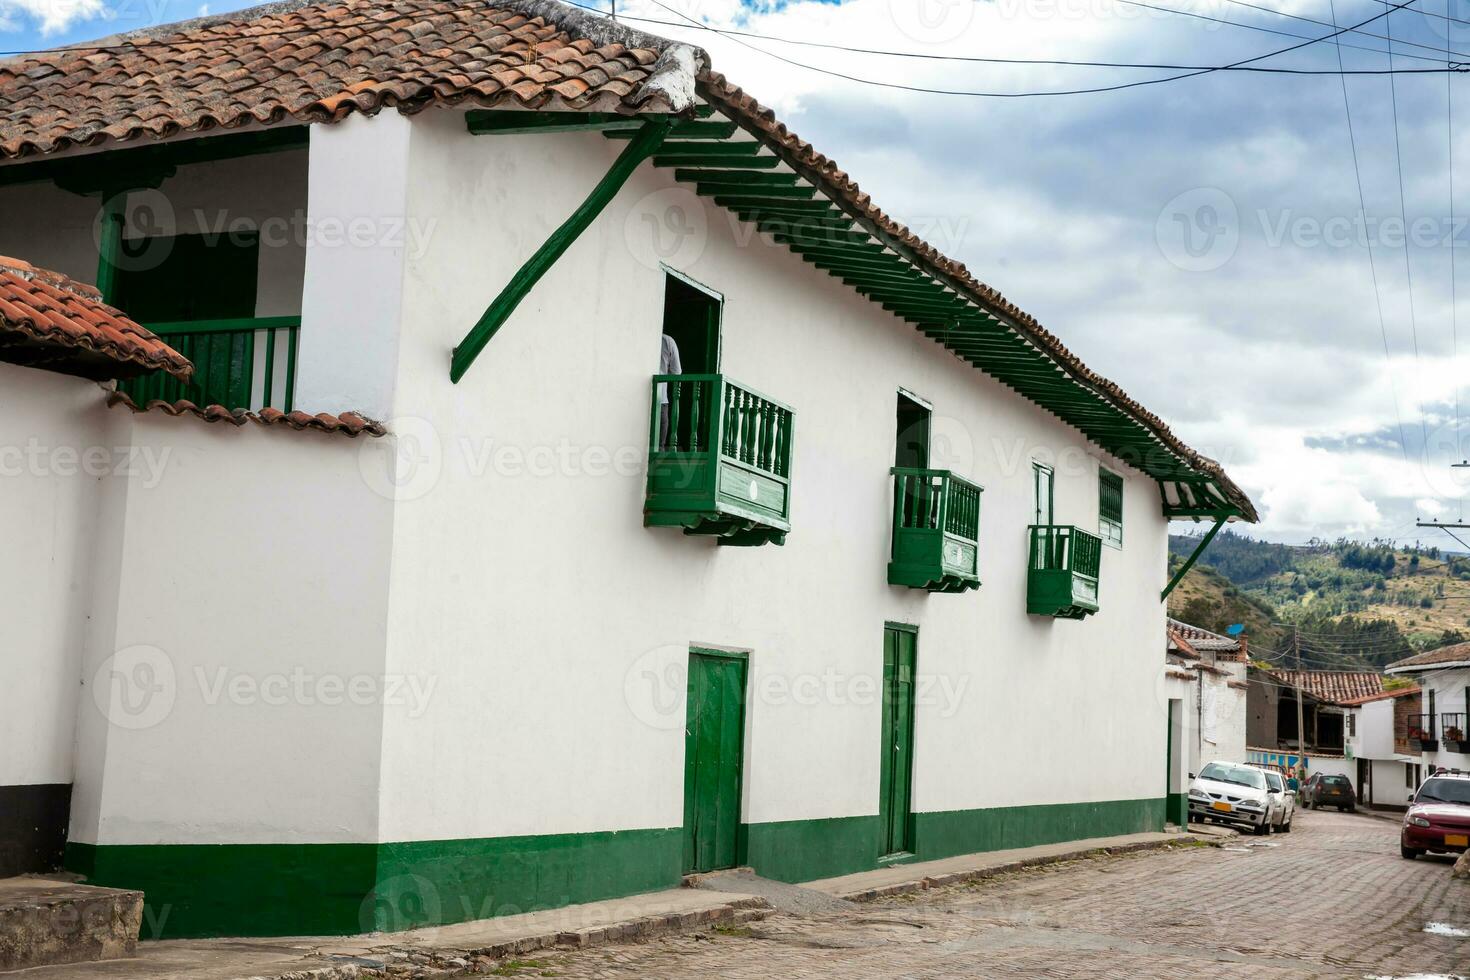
1286	827
1408	853
1307	804
1263	828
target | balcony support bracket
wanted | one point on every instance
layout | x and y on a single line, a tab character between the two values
649	137
1194	557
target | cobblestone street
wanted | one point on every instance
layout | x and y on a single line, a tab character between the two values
1333	899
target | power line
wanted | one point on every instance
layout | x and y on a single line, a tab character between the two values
1372	262
1020	95
1403	217
1323	23
932	56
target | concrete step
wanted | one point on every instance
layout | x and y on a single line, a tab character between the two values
46	922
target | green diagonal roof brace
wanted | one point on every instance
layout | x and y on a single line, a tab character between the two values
1184	569
644	144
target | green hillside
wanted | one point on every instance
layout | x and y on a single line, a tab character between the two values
1355	605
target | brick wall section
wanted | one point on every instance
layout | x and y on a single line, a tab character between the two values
1402	709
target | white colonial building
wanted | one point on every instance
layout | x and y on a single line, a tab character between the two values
1214	667
1439	732
875	572
1388	768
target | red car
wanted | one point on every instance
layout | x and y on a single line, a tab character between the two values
1439	818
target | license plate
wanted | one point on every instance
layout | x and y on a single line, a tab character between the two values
1457	840
1222	807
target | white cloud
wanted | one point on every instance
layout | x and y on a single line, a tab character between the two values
52	16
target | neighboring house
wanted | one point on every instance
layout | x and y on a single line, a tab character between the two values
493	656
1439	732
1378	743
1271	727
1217	703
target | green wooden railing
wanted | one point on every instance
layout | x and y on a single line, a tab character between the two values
722	464
1063	571
936	531
244	363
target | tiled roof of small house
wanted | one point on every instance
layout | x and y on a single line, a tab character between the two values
1195	639
320	61
47	320
348	424
316	62
1335	686
1453	654
1398	692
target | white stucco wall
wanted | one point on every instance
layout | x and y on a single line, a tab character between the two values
559	625
51	455
237	644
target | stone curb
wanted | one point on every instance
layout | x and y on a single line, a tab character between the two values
415	962
979	874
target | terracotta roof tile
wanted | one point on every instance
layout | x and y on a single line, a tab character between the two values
1336	686
348	424
1399	692
1454	653
317	62
47	308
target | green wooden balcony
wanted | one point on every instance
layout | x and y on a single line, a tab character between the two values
243	363
1061	580
723	467
936	531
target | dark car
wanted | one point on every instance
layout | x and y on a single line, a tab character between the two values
1439	818
1329	790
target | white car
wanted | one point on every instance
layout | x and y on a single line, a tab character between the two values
1283	801
1232	793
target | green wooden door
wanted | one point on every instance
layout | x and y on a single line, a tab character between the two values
714	745
900	647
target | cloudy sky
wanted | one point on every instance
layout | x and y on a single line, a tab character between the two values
1199	241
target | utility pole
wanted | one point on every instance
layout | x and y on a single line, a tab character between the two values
1301	729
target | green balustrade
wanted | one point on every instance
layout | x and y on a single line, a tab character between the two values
936	531
1062	575
241	363
719	460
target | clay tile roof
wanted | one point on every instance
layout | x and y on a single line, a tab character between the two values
1452	654
47	320
347	423
1199	638
1336	686
1398	692
319	61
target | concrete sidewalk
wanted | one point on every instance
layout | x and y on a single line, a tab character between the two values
898	878
480	945
421	952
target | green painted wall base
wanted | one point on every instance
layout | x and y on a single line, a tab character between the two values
199	890
1177	808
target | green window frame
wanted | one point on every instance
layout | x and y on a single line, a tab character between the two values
1110	508
1044	481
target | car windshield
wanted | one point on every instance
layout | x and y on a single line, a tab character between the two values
1444	791
1274	781
1239	775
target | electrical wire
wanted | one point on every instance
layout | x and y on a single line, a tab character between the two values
1403	217
1323	23
1393	387
1035	94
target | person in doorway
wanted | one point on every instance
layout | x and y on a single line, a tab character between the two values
668	363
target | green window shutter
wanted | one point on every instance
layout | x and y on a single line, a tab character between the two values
1110	508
